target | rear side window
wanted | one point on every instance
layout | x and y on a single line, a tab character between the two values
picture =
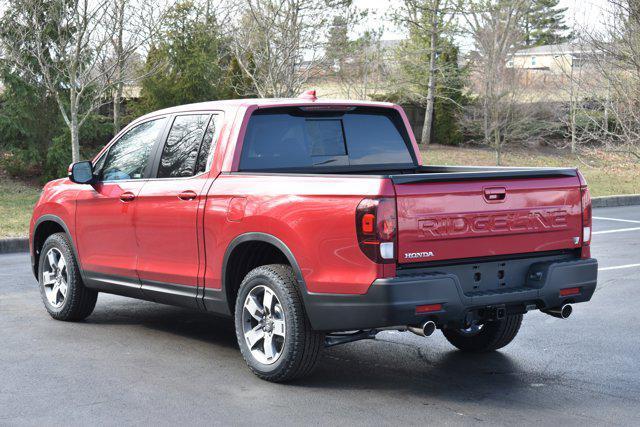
128	157
208	144
292	138
180	152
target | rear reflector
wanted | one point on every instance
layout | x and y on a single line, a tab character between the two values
420	309
386	250
569	291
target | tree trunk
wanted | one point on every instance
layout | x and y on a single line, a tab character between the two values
498	146
74	125
485	110
118	47
572	111
431	90
75	137
117	103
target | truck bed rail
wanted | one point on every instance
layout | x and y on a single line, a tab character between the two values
462	173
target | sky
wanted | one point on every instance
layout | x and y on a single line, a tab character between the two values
580	13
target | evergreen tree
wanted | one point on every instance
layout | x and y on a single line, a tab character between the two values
29	116
449	98
29	119
544	24
192	60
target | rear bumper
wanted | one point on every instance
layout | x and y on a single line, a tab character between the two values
392	302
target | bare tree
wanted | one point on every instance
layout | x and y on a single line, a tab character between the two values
72	52
427	21
583	93
494	26
134	24
360	65
618	63
279	43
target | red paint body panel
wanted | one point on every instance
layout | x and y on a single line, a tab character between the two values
106	237
58	198
167	230
313	216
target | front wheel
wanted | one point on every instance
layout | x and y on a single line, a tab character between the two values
486	337
274	334
64	295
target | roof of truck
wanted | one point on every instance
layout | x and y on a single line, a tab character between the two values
264	102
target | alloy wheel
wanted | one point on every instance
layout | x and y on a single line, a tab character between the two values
263	322
55	277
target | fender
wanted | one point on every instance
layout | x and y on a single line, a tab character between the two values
61	223
217	301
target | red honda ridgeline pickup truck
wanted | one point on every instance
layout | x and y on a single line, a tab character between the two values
312	223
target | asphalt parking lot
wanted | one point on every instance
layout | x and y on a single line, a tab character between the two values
134	362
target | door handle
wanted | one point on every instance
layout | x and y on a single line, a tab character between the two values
127	196
187	195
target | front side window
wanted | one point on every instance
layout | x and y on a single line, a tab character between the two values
180	152
129	156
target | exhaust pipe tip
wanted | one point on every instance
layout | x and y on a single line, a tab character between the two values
428	328
566	310
424	330
562	312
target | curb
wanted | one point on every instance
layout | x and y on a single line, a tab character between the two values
14	244
612	201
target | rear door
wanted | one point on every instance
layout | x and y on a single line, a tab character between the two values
166	220
477	218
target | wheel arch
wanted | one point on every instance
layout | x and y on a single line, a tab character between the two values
242	256
45	226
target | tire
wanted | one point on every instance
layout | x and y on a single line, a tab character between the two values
71	300
283	327
489	337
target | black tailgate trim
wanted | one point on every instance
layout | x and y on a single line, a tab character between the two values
456	173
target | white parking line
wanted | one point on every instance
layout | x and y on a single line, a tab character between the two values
616	219
618	267
619	230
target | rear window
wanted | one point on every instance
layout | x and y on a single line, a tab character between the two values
291	138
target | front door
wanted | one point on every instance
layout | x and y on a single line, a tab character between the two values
166	220
106	211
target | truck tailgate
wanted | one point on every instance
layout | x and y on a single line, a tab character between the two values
441	219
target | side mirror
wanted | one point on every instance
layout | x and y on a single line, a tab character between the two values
81	173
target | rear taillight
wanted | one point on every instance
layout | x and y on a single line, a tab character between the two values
586	217
376	227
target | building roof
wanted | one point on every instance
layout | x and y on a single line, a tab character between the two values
555	49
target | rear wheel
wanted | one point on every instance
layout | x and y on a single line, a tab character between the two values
63	293
274	334
486	337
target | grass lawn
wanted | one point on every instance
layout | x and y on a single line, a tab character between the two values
16	203
606	173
